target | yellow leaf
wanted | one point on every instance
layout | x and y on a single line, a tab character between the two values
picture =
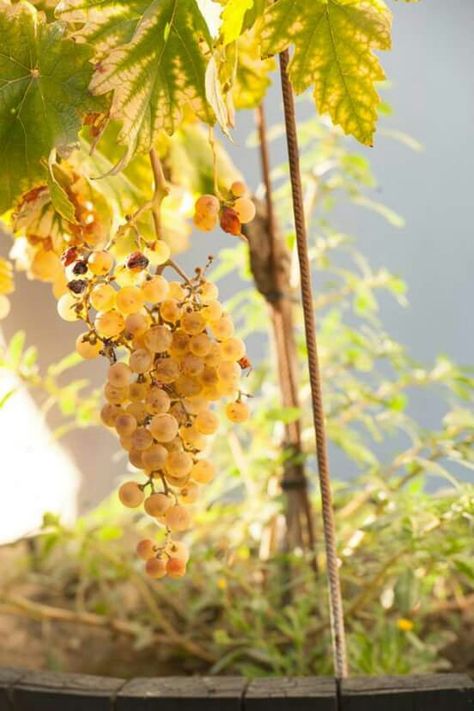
334	42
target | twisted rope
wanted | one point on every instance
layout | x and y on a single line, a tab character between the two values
335	598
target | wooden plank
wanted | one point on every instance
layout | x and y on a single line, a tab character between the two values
50	691
434	692
8	677
291	694
181	694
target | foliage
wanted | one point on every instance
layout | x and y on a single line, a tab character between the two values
333	50
404	556
43	87
404	547
152	65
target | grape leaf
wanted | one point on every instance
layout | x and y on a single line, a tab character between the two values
43	92
233	18
253	73
158	73
105	24
333	42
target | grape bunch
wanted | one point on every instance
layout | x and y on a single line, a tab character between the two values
173	355
231	211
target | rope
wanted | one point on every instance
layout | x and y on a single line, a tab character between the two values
335	598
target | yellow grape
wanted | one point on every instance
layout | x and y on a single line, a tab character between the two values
135	457
119	374
203	471
125	277
109	324
237	411
115	395
206	222
102	297
131	495
245	209
212	311
125	442
155	289
155	568
141	361
193	323
209	376
179	343
178	464
129	299
238	188
192	438
187	386
175	568
229	371
86	348
158	253
177	518
232	349
177	549
200	345
137	391
208	292
109	414
157	401
157	504
176	291
189	494
192	365
125	424
154	457
136	324
194	403
145	549
100	263
68	307
137	409
213	358
164	428
170	310
223	328
207	204
166	370
141	439
157	339
206	422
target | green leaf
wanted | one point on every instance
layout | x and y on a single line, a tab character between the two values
105	24
44	81
233	18
333	42
15	349
160	72
59	197
5	398
69	361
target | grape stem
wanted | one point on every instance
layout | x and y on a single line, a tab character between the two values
160	191
172	264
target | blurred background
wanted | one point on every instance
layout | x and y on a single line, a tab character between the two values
427	240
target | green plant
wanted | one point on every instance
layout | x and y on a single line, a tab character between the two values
104	156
